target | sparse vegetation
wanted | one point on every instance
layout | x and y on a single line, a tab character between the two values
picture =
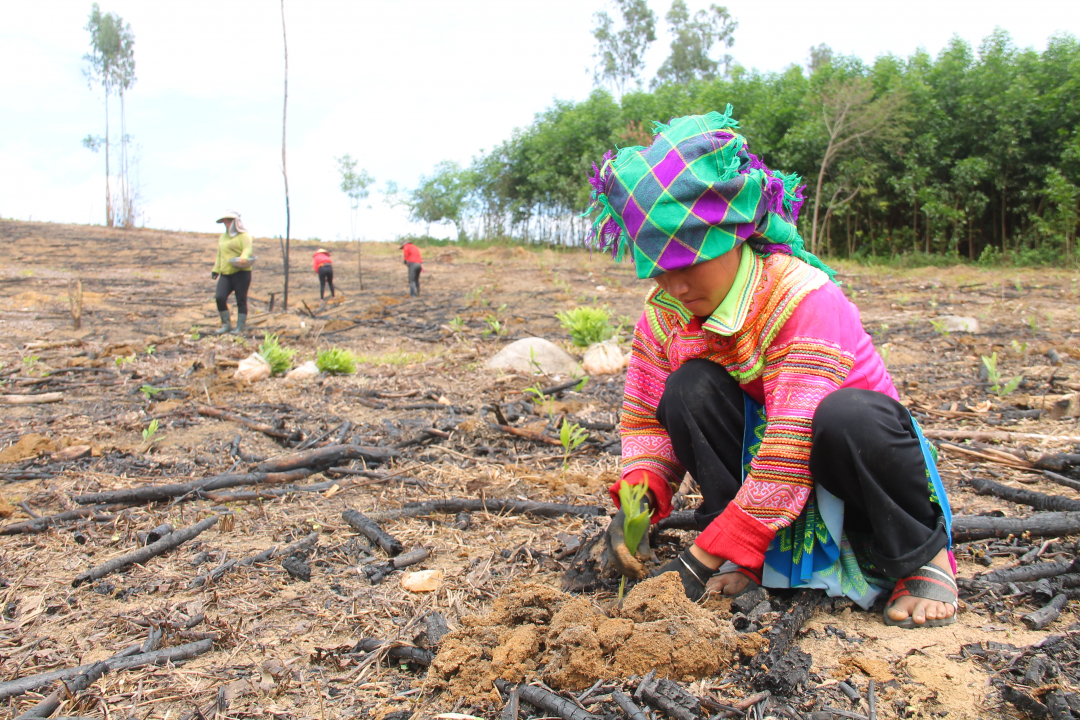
277	356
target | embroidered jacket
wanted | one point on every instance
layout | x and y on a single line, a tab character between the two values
789	337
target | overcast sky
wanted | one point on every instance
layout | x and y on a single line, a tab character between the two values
399	84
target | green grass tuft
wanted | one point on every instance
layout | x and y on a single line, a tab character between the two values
587	325
279	358
336	361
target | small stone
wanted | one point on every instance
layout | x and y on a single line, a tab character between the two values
957	324
422	580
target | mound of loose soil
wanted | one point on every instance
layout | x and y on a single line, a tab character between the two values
537	632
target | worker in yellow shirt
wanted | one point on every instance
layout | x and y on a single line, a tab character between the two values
232	271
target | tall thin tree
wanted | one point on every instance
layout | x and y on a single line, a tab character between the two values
355	185
100	68
284	170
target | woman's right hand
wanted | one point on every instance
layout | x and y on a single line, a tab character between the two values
624	560
213	276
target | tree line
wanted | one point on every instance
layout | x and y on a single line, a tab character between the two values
973	154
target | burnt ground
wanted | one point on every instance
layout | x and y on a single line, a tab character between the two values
288	647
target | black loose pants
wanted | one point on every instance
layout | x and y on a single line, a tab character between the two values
326	275
238	283
414	278
864	451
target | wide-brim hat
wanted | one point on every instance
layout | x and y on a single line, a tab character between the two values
322	250
229	215
693	195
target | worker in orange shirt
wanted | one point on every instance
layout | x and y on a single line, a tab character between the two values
412	259
325	269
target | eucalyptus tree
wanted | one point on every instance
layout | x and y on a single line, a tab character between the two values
111	65
620	52
355	186
693	39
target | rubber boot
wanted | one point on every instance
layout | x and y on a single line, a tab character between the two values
226	326
241	321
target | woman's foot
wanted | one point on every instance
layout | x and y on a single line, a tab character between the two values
912	610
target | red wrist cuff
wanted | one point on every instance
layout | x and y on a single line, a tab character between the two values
738	537
660	488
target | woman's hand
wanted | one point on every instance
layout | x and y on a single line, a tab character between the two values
213	276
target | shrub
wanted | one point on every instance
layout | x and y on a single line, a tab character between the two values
336	361
278	357
586	325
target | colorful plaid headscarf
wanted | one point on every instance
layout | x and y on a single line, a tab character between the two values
693	195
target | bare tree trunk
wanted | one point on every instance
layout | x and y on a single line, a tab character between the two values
284	171
108	192
817	200
126	219
1004	243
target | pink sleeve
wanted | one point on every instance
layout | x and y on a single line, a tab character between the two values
646	446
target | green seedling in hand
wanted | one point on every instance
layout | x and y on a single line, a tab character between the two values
570	435
637	515
279	358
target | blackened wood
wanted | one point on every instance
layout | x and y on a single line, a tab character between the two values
529	435
1037	500
181	652
80	682
325	457
1045	615
264	428
1023	573
1062	480
783	633
411	558
397	652
371	530
158	493
269	493
546	700
680	520
143	554
493	505
1058	461
220	570
627	706
510	710
1049	524
44	523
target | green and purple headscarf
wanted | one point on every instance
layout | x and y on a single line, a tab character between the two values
693	195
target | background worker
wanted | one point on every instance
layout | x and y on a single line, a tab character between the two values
232	270
325	269
412	259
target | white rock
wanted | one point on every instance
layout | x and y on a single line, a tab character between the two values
603	358
957	323
422	580
551	358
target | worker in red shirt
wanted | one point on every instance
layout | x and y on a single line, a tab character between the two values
412	259
325	269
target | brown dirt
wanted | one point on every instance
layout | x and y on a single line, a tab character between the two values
147	289
534	631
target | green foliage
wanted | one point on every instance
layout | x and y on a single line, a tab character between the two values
693	39
939	327
150	392
123	360
636	512
150	431
621	53
571	435
278	357
442	197
336	361
995	378
586	325
930	190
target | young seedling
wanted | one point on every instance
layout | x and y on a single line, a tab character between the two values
586	325
494	327
279	358
570	435
939	328
995	378
150	391
149	433
336	361
122	360
637	514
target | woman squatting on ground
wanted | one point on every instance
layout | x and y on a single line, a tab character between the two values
232	270
325	270
751	371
